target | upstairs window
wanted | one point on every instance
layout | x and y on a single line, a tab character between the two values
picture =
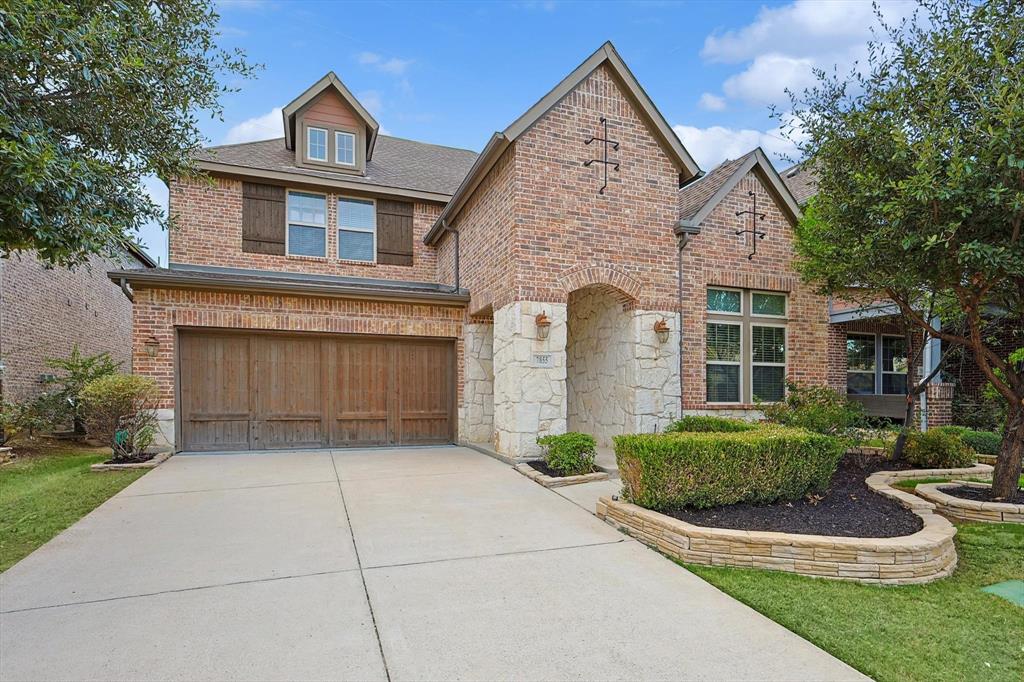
357	230
344	148
307	224
316	144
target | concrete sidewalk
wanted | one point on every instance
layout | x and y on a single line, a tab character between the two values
429	563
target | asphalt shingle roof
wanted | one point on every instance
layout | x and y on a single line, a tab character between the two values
396	163
801	181
693	197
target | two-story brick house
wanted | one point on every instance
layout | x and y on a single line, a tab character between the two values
340	287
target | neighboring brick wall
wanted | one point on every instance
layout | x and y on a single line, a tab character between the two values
209	232
159	311
717	256
44	313
965	371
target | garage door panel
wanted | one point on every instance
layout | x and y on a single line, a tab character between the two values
276	391
425	392
288	375
215	392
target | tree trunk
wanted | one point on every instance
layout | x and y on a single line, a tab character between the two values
1008	465
908	425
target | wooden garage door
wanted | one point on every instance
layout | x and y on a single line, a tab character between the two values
276	391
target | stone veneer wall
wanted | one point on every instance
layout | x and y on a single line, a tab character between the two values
529	400
477	412
599	358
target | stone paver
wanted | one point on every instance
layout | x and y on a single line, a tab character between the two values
454	567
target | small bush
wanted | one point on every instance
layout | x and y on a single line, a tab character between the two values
936	449
570	454
982	442
665	471
816	408
119	411
709	424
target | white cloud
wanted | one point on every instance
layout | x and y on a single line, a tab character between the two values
803	28
265	127
371	100
710	146
767	78
710	102
393	66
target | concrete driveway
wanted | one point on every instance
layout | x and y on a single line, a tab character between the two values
430	563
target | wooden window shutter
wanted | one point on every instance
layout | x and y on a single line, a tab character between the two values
394	232
263	225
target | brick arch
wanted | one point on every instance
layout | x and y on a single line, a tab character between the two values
618	283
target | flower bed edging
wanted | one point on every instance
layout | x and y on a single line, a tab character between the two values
553	482
922	557
157	460
970	510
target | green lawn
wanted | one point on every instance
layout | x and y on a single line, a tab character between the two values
947	630
42	494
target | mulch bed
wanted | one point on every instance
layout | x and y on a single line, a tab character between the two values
542	467
848	509
968	492
132	460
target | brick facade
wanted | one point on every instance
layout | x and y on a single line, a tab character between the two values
45	312
208	231
718	257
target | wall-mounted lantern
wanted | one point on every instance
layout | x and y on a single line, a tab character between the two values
543	323
151	346
661	329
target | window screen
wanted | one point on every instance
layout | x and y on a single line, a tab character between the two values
307	224
357	226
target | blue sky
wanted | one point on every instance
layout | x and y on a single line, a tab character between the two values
452	73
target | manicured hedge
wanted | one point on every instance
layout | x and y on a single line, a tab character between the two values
936	449
709	424
570	454
665	471
982	442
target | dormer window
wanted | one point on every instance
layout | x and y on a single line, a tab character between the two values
316	147
344	148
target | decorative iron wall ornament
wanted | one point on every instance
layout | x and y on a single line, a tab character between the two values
604	160
753	231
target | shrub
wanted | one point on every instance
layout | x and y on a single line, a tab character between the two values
570	454
664	471
19	421
65	403
707	424
816	408
935	449
119	411
982	442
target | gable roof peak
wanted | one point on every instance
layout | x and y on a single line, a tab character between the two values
330	80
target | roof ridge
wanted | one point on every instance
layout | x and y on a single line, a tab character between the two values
241	144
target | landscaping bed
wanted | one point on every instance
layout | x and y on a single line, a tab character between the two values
540	472
847	508
980	493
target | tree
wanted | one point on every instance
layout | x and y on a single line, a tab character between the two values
94	96
921	185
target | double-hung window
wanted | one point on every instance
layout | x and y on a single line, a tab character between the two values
746	346
316	144
344	148
357	229
307	224
876	364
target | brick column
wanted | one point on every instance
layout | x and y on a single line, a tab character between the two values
940	404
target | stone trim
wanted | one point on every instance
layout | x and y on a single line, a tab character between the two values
970	510
922	557
560	481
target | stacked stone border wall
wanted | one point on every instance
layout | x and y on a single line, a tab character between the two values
970	510
157	460
922	557
561	481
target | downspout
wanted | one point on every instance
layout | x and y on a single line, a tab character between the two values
446	228
683	232
126	291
